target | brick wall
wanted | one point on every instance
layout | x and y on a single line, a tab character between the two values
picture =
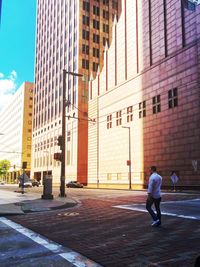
162	53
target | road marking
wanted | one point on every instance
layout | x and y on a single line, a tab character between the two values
71	256
142	208
181	201
68	214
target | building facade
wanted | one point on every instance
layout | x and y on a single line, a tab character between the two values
148	87
16	127
71	35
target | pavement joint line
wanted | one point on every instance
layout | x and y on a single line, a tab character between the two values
131	207
68	254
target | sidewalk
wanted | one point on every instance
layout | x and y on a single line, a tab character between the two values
16	203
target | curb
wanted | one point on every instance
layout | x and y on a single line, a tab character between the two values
31	206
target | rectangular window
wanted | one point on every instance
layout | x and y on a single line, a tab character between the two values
105	40
95	52
95	24
130	114
115	4
85	49
95	66
86	6
105	14
109	121
156	104
68	136
96	10
109	176
118	118
95	38
142	109
106	28
85	63
173	98
86	20
85	35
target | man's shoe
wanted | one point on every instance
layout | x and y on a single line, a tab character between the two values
155	223
159	223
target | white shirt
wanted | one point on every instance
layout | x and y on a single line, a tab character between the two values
174	178
155	182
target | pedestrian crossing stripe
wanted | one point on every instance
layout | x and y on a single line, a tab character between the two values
141	208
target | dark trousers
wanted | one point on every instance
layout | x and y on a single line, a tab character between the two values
156	201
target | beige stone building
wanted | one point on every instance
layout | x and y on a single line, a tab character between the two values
149	85
16	126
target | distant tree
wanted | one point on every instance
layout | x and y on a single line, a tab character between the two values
4	167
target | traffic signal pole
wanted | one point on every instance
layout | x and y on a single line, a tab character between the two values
62	176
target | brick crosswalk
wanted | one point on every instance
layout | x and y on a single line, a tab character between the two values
119	237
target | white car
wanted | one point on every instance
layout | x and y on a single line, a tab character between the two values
26	184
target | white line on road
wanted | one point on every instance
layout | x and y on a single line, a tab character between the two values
142	209
71	256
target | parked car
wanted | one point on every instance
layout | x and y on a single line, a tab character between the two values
35	183
26	184
74	184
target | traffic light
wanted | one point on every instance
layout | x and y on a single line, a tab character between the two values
24	164
57	156
60	141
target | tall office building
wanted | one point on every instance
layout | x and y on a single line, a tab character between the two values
71	35
146	99
16	126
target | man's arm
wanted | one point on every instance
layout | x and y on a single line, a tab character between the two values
150	188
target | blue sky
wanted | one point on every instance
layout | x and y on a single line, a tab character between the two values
17	45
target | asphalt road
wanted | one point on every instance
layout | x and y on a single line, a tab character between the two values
112	228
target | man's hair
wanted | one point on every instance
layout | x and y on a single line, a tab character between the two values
153	168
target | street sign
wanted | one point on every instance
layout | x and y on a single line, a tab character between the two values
57	156
128	163
24	164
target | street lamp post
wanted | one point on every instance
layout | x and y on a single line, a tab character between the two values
62	177
129	149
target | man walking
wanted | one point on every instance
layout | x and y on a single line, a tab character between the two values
154	196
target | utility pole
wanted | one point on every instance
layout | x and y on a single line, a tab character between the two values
24	166
62	177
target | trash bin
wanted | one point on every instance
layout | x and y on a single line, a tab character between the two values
47	187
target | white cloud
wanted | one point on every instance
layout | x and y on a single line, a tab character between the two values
7	87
